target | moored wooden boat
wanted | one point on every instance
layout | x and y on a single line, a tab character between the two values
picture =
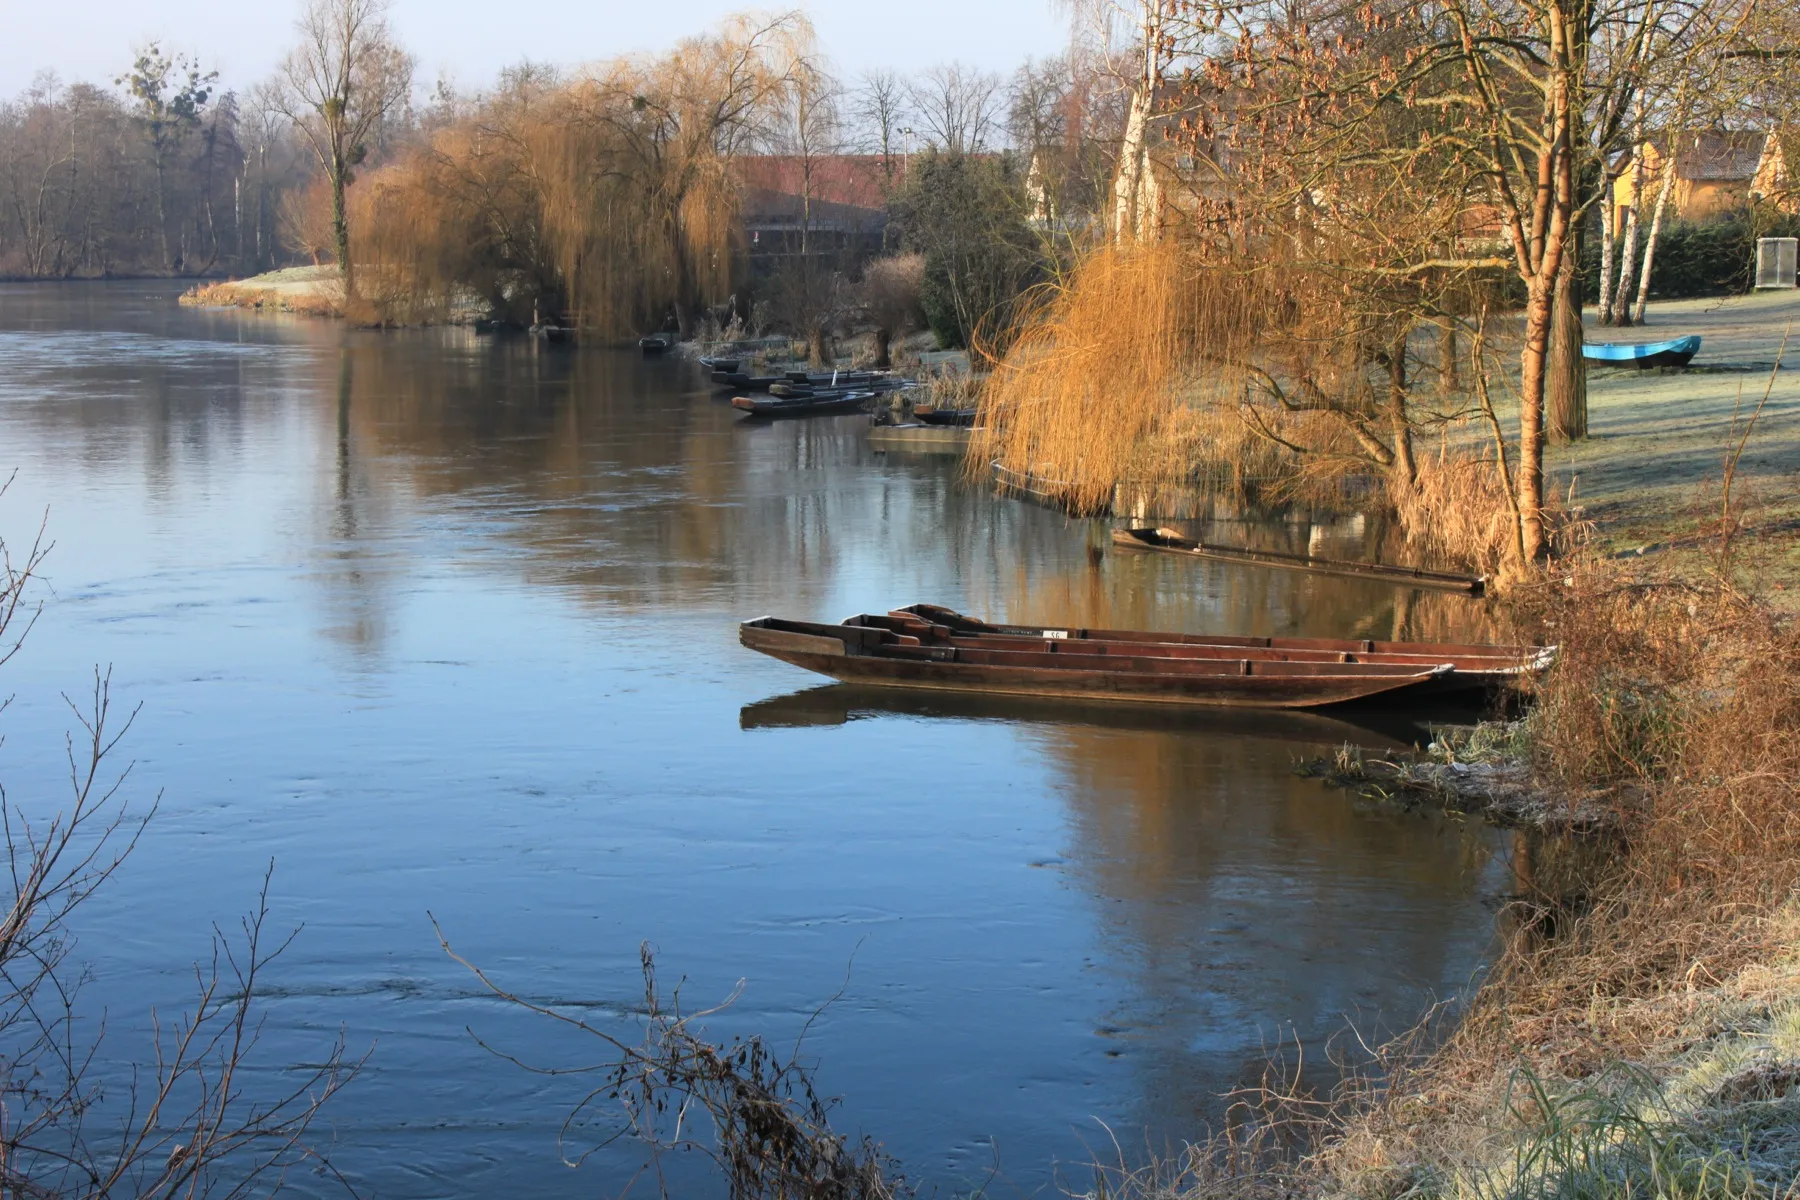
926	646
1676	352
656	343
945	416
1169	541
818	404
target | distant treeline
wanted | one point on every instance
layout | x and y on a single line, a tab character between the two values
163	173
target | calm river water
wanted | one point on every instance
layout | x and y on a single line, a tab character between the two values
446	625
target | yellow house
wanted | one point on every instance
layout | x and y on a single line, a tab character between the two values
1716	173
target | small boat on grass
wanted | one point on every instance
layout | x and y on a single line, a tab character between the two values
925	646
816	404
1168	541
718	363
1677	352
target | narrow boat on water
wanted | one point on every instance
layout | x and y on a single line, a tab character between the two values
1169	541
946	416
1677	352
925	646
816	404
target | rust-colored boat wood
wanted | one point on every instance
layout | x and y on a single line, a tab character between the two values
1168	541
929	647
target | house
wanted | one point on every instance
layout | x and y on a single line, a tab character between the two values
1716	173
825	204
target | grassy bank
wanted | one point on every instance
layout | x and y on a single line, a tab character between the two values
1649	475
304	291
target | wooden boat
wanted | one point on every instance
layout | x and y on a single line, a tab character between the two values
945	416
738	381
656	343
818	404
717	363
926	646
915	438
1677	352
1168	541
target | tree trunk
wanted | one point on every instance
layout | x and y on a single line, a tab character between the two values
1399	424
1656	220
1449	368
1628	256
821	356
1566	399
162	214
1609	237
883	349
1533	361
340	231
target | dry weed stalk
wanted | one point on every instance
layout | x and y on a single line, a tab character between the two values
189	1126
752	1111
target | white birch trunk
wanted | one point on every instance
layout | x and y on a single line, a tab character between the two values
1609	233
1656	220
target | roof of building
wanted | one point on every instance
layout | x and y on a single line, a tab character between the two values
850	180
1716	156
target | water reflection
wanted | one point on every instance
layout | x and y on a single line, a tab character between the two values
840	703
446	623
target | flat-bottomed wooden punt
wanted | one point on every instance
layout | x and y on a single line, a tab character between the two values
819	404
1168	541
930	647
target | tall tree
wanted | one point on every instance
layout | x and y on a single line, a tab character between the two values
338	85
170	94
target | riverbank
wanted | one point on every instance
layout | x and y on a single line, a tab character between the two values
303	291
1639	1032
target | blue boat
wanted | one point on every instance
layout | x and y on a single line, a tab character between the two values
1650	354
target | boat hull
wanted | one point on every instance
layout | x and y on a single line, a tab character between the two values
1676	353
806	406
871	656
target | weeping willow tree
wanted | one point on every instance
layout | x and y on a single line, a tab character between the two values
609	196
1256	322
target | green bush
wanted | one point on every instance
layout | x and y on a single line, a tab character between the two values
965	214
1699	258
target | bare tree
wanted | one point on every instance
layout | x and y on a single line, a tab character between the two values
958	107
877	110
338	86
170	92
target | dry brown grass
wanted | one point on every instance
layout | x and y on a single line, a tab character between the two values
323	300
1678	702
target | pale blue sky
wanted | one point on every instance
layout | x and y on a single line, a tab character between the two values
472	39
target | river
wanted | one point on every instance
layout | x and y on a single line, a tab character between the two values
446	625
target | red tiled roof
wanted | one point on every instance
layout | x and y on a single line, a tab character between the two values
857	180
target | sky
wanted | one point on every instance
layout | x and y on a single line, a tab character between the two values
470	40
